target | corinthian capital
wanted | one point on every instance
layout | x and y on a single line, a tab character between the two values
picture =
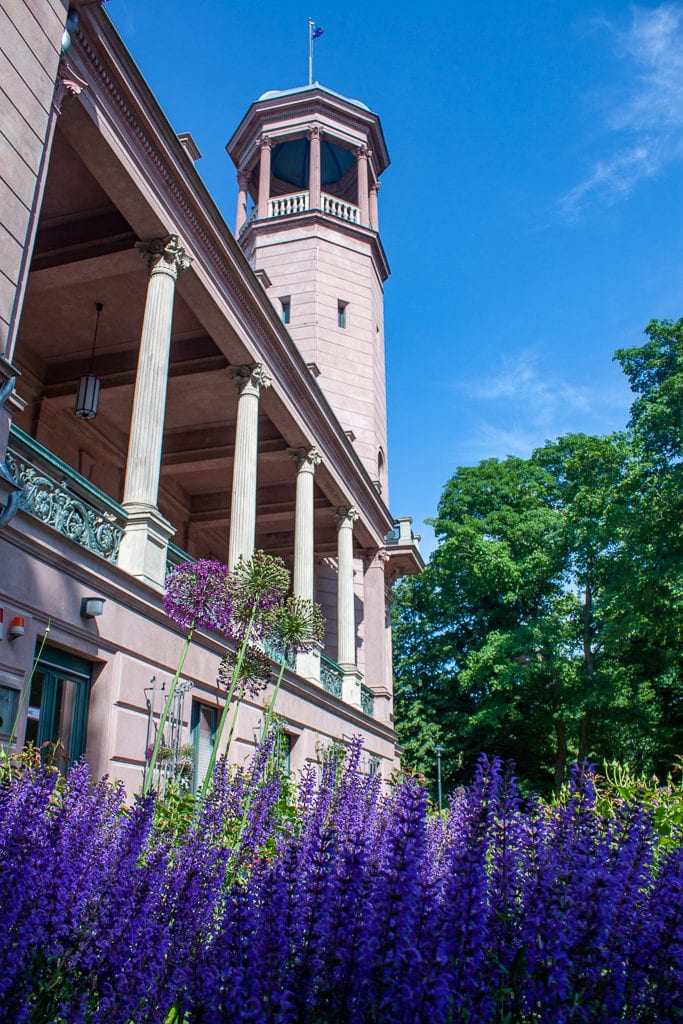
266	142
345	516
164	255
68	84
250	378
306	459
362	153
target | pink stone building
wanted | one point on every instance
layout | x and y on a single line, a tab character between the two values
170	388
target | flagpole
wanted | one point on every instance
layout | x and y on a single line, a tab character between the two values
310	50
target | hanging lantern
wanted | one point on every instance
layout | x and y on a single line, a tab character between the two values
88	394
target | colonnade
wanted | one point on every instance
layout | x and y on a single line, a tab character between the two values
143	550
367	191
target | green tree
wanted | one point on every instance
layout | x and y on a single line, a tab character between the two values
547	625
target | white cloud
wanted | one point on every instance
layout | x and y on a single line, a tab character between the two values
649	110
519	382
527	405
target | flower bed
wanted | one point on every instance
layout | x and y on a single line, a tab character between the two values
352	907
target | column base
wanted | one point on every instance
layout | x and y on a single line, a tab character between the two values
144	545
351	684
308	666
383	705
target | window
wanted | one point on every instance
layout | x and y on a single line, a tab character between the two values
58	702
9	701
341	313
283	750
203	723
286	304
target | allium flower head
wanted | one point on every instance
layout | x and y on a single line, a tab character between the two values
255	671
200	594
261	583
298	626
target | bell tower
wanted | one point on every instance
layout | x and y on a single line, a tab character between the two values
308	166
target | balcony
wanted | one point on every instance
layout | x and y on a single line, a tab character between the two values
61	498
299	202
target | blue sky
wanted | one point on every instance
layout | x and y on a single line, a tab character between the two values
532	214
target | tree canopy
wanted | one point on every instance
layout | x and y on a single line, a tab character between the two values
547	627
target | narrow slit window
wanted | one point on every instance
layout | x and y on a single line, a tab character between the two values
286	304
341	313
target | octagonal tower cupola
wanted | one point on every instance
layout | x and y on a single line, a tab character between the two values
308	166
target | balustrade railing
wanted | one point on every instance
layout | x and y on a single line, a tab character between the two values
250	219
60	497
299	202
338	208
282	206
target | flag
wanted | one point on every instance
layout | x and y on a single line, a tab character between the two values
317	32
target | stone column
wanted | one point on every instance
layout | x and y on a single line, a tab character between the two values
147	533
314	168
346	617
250	379
374	209
264	177
241	216
306	459
377	668
362	154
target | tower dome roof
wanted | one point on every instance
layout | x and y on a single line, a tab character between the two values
273	94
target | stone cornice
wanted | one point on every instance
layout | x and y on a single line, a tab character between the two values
317	216
318	103
101	55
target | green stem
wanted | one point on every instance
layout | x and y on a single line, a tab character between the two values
271	706
25	695
264	732
208	778
149	774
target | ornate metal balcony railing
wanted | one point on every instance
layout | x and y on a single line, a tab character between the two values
367	700
330	676
60	497
175	556
274	652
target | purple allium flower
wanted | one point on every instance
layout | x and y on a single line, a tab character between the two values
200	595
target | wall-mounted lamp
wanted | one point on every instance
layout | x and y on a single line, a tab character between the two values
91	607
16	627
88	394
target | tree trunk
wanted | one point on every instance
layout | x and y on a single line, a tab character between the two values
589	668
560	755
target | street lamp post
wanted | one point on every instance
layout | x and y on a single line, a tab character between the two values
438	750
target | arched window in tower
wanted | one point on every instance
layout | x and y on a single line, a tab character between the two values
381	470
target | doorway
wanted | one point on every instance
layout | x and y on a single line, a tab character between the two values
58	702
